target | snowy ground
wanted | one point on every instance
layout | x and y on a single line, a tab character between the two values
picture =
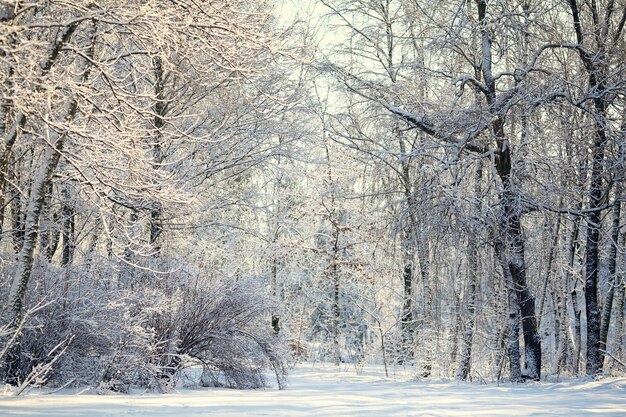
326	391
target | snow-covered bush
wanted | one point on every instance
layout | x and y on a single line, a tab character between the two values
117	337
226	329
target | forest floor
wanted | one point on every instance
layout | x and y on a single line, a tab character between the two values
328	391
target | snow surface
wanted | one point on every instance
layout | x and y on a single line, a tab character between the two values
328	391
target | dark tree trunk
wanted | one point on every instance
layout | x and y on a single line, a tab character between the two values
46	226
68	235
336	318
510	224
512	344
594	364
89	256
596	64
560	329
464	366
514	257
160	109
275	316
607	308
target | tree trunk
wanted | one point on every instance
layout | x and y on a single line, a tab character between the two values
46	226
9	138
68	235
514	257
160	109
336	317
618	306
594	357
427	320
17	213
464	367
407	321
513	348
275	316
570	284
409	230
25	258
595	63
549	267
560	325
38	190
336	311
510	224
607	308
91	249
126	275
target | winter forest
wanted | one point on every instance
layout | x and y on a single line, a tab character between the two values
237	186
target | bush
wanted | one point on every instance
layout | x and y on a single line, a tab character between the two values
146	336
227	330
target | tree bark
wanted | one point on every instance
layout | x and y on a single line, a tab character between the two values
25	257
618	306
592	246
407	320
512	344
427	319
46	226
68	235
513	252
160	109
549	267
570	284
336	310
409	230
464	367
275	316
607	308
17	211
